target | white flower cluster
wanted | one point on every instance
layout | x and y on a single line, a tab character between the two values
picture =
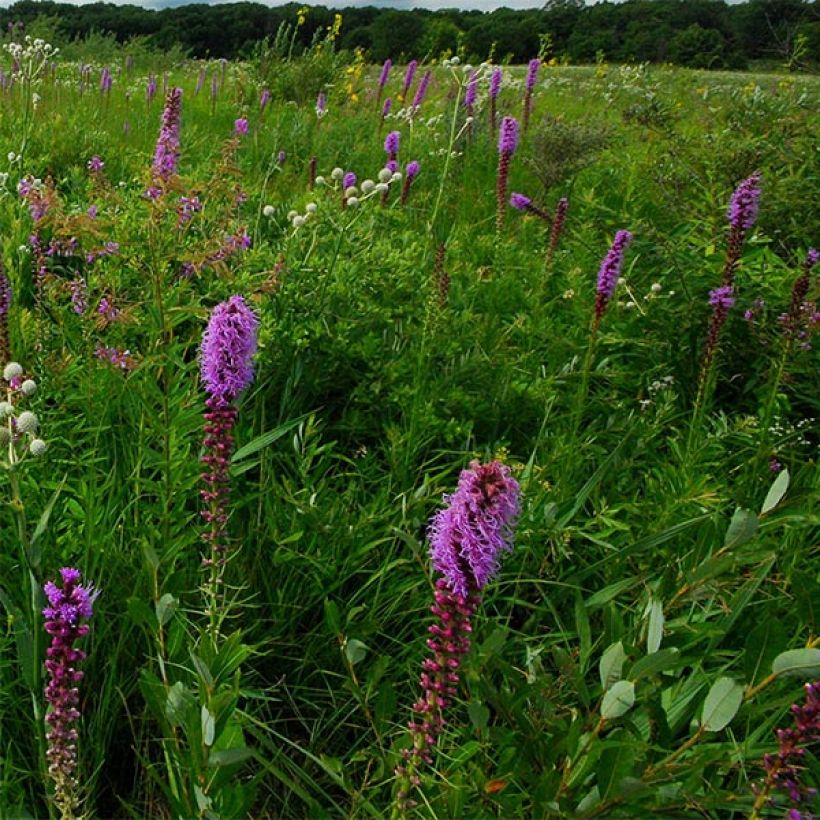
18	428
31	56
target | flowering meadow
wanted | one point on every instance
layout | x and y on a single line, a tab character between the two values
429	440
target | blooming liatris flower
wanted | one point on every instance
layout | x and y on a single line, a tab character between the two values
800	290
5	304
466	541
745	203
67	608
495	88
610	272
410	173
784	769
532	76
151	88
385	74
557	228
95	165
391	145
408	77
507	143
421	91
228	346
722	297
264	99
166	153
240	126
472	91
388	104
519	201
321	104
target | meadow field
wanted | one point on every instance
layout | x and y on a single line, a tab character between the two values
451	457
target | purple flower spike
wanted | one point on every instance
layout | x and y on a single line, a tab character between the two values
472	90
349	180
264	99
67	608
5	294
532	73
421	91
745	203
412	169
388	64
95	165
388	104
722	297
495	83
610	271
240	126
228	346
520	202
469	535
508	136
321	104
166	154
5	304
391	144
408	77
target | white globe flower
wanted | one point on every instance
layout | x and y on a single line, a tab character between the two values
352	202
311	208
268	211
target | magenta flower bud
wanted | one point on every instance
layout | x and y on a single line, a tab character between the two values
745	203
722	297
472	90
240	126
388	104
508	136
264	99
495	83
520	202
412	169
388	64
95	165
532	73
408	77
610	272
228	347
421	91
391	144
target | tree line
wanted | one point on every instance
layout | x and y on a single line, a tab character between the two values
697	33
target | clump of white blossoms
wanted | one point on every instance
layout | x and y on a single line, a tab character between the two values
31	57
18	426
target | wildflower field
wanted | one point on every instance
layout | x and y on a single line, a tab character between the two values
406	440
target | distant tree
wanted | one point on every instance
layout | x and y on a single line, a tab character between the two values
395	33
441	35
698	47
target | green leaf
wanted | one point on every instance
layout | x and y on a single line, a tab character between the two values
355	651
177	703
35	553
202	670
806	593
654	632
266	439
208	726
721	704
150	555
776	492
584	632
742	528
804	663
618	700
658	661
611	665
478	713
605	595
762	646
332	617
166	606
227	757
140	613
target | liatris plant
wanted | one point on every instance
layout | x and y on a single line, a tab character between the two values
742	214
264	99
408	78
348	187
507	143
321	105
383	77
312	173
421	91
532	76
523	203
67	608
410	173
391	146
166	153
200	81
228	347
150	89
783	769
467	539
609	273
240	127
800	290
5	304
470	97
388	104
495	88
557	229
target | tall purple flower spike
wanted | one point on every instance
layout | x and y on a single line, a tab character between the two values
469	535
228	346
67	608
745	203
610	271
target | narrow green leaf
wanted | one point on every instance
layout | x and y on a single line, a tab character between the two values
654	632
721	704
611	664
763	644
176	703
208	726
658	661
605	595
35	553
266	439
618	700
227	757
776	492
165	608
742	528
798	663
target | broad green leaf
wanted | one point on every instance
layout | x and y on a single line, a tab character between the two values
654	632
202	670
742	528
355	651
208	726
166	606
618	700
611	664
176	703
804	663
478	713
776	492
332	617
227	757
721	704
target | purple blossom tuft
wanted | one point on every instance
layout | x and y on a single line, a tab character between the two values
812	257
610	271
722	297
228	346
349	180
240	126
388	104
391	144
468	536
745	203
5	294
508	136
520	202
321	104
532	73
388	64
95	164
166	153
408	77
264	99
67	607
421	91
412	169
495	83
472	90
